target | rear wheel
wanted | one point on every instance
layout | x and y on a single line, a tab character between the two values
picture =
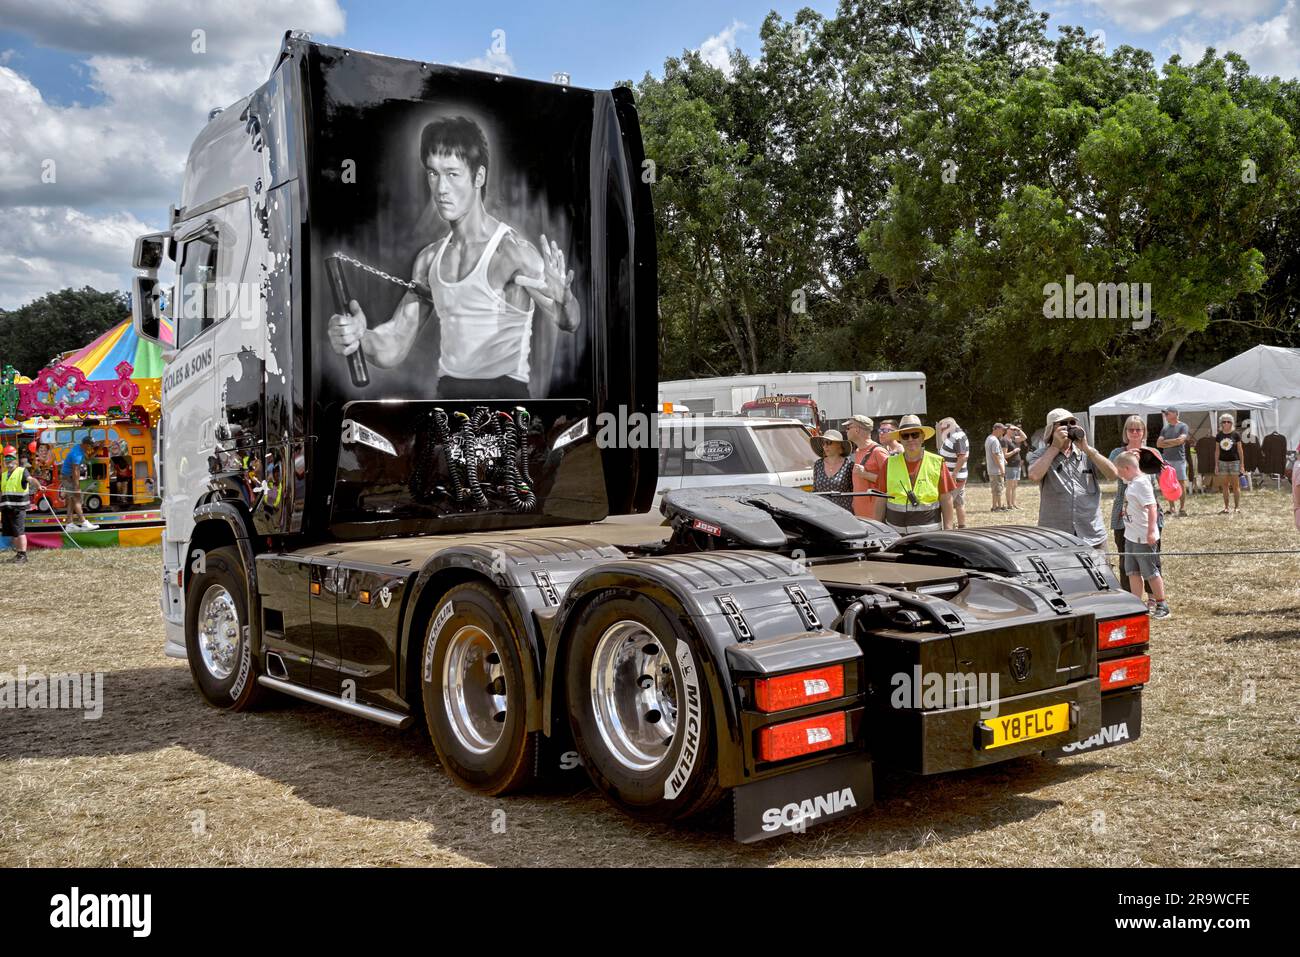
217	642
93	503
639	711
472	680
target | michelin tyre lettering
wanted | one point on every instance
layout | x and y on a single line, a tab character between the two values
639	708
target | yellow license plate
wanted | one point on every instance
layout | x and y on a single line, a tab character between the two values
1027	725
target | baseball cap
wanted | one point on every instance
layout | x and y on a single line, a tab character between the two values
862	420
999	425
1173	410
10	451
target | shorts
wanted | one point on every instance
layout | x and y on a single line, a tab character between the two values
1228	468
1180	468
12	521
1013	473
1141	558
998	483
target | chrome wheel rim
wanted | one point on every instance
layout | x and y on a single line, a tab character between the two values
218	632
634	695
474	689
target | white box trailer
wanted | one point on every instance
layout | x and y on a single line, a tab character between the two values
838	394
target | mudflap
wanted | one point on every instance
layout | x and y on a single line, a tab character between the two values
559	767
1121	722
790	803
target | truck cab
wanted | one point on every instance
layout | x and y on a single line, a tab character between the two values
798	407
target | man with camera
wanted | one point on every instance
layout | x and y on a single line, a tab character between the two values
1069	471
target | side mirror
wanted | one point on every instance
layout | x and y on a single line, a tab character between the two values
150	251
148	308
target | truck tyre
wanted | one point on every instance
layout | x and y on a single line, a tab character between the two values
93	502
216	635
639	708
472	681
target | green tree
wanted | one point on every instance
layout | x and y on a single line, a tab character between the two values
899	185
58	322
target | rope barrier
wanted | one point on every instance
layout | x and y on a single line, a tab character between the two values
1261	551
66	533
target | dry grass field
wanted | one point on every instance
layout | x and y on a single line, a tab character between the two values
163	779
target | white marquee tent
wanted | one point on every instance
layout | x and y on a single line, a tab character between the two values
1188	394
1270	370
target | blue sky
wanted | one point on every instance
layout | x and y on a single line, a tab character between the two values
112	90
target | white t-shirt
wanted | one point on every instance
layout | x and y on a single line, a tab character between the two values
1137	497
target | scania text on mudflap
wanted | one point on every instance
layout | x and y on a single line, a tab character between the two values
407	299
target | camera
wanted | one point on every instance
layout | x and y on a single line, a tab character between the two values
1075	432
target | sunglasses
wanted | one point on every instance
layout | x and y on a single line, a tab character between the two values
1135	428
908	436
1068	422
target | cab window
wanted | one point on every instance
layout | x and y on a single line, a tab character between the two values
212	258
195	305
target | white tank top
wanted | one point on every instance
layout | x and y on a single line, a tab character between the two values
483	336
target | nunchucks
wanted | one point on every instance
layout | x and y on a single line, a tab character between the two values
356	361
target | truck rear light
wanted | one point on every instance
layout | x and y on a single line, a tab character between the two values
800	688
790	740
1123	631
1125	672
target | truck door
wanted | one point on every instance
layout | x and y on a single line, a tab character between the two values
239	344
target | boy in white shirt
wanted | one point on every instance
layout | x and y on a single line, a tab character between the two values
1141	533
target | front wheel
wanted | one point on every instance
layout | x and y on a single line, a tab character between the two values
639	710
217	642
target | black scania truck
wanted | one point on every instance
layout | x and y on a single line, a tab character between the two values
410	305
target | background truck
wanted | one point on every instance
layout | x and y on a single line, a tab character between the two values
381	532
803	410
837	394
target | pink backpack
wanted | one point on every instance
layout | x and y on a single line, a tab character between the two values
1170	487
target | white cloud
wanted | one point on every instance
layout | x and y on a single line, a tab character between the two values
493	60
1148	15
233	30
717	49
128	149
49	248
1271	47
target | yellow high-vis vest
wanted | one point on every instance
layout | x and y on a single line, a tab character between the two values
922	512
13	488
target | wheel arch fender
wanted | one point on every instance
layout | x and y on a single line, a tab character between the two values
444	571
218	523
